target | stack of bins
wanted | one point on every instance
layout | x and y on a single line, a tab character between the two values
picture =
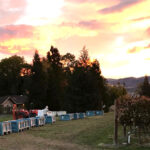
54	118
90	113
9	128
76	116
64	117
32	121
26	123
71	116
5	127
81	115
40	121
99	112
17	125
22	124
50	119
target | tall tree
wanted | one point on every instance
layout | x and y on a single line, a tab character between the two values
84	57
55	80
86	85
38	83
144	89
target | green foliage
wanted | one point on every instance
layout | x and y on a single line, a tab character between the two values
86	86
38	86
55	73
61	82
144	88
10	79
113	92
134	112
68	62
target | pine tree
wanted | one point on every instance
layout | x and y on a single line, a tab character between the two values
55	80
145	87
86	88
38	83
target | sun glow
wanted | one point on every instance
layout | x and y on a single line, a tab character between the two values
42	12
120	41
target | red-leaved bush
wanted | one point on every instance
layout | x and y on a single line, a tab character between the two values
134	112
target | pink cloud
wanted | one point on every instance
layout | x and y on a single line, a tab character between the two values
148	31
84	1
148	46
92	24
137	49
11	10
141	18
123	4
16	31
89	24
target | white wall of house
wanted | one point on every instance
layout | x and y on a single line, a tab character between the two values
7	103
6	106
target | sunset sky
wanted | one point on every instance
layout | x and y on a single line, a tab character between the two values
116	32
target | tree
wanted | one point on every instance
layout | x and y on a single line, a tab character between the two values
38	86
55	91
86	85
25	76
10	75
84	57
144	88
134	113
68	62
112	93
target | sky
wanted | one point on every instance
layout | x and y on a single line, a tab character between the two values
116	32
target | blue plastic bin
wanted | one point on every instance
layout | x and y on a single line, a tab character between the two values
5	127
18	125
48	120
76	116
27	123
81	115
32	121
64	117
90	113
40	121
71	115
99	112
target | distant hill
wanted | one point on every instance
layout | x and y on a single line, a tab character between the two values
131	83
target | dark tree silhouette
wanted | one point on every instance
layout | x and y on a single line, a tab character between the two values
61	82
55	89
86	86
38	85
10	79
144	89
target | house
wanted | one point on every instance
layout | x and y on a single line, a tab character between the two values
6	102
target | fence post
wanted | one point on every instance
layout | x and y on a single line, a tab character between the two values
116	123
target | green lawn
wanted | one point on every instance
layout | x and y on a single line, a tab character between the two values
93	133
6	117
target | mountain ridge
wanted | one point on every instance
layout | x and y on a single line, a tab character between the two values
130	83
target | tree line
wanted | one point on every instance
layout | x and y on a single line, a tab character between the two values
60	81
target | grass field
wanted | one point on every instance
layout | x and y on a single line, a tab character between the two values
93	133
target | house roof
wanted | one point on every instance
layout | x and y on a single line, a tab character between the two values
16	99
3	98
19	99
